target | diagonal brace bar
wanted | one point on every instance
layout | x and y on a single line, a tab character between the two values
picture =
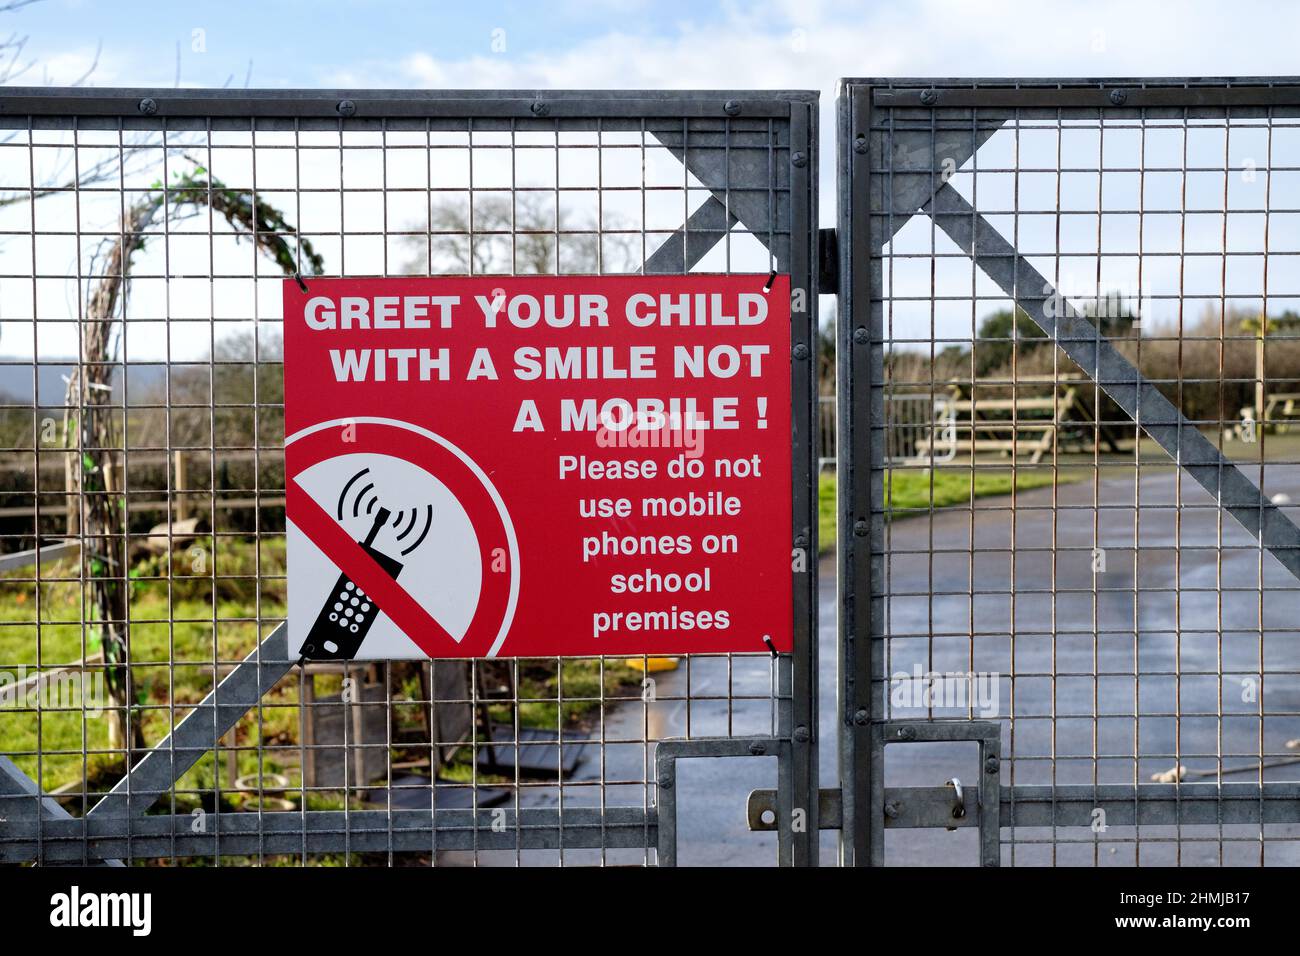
200	729
21	799
1093	352
705	228
738	185
916	158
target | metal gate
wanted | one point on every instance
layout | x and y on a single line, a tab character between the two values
143	237
1067	602
1074	641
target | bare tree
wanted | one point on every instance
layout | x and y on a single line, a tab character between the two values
60	173
521	234
13	47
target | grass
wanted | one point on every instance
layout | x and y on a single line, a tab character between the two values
918	491
176	636
190	609
915	491
578	681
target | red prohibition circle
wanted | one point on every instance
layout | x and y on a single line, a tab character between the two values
392	439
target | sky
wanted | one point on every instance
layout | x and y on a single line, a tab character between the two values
671	44
642	43
668	44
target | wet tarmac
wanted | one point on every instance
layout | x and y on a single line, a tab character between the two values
1181	648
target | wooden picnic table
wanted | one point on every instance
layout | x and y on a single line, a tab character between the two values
1279	409
1035	424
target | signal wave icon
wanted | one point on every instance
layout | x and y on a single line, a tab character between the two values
365	500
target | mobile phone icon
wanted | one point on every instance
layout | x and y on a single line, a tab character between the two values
348	612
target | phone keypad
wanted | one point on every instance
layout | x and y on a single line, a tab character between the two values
347	615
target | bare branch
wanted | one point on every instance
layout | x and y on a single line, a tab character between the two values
94	65
11	70
105	170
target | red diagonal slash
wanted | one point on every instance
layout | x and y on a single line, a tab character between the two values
389	596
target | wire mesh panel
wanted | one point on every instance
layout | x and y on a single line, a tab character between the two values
1099	280
144	237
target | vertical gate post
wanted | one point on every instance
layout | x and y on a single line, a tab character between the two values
872	208
801	830
857	400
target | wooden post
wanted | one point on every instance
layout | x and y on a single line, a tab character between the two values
232	759
307	726
181	486
71	498
1259	377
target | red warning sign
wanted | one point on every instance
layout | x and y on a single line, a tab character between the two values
537	466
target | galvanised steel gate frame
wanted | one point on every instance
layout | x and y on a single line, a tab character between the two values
754	156
900	144
903	147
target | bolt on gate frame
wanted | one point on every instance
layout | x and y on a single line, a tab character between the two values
1129	602
303	183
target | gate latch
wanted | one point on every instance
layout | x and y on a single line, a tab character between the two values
955	804
958	801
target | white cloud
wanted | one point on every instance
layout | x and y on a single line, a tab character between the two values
86	65
751	47
757	47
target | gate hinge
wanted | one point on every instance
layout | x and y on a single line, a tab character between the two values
828	261
761	810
